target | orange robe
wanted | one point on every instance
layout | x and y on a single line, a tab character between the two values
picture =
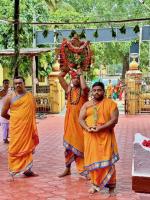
73	133
23	133
100	149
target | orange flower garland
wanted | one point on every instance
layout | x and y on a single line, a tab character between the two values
76	101
78	50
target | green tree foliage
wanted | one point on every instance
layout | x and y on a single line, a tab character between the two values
45	63
74	10
108	10
110	55
144	57
30	10
113	53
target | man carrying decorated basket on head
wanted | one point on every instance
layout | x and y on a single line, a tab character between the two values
77	95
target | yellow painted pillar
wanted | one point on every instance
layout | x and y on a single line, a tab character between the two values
1	75
133	81
57	94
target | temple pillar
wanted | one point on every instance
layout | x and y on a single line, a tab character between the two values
57	94
133	80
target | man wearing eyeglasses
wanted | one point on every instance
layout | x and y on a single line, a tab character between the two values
23	130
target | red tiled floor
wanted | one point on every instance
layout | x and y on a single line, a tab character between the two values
49	162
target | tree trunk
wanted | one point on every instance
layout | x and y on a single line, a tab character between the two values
16	37
125	65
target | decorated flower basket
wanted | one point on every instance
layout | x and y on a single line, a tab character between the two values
75	53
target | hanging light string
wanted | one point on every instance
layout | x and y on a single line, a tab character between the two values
81	22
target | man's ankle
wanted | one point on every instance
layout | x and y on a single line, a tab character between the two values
65	173
6	141
68	169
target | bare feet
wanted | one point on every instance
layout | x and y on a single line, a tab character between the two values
10	178
6	141
65	173
112	192
88	177
92	190
30	174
